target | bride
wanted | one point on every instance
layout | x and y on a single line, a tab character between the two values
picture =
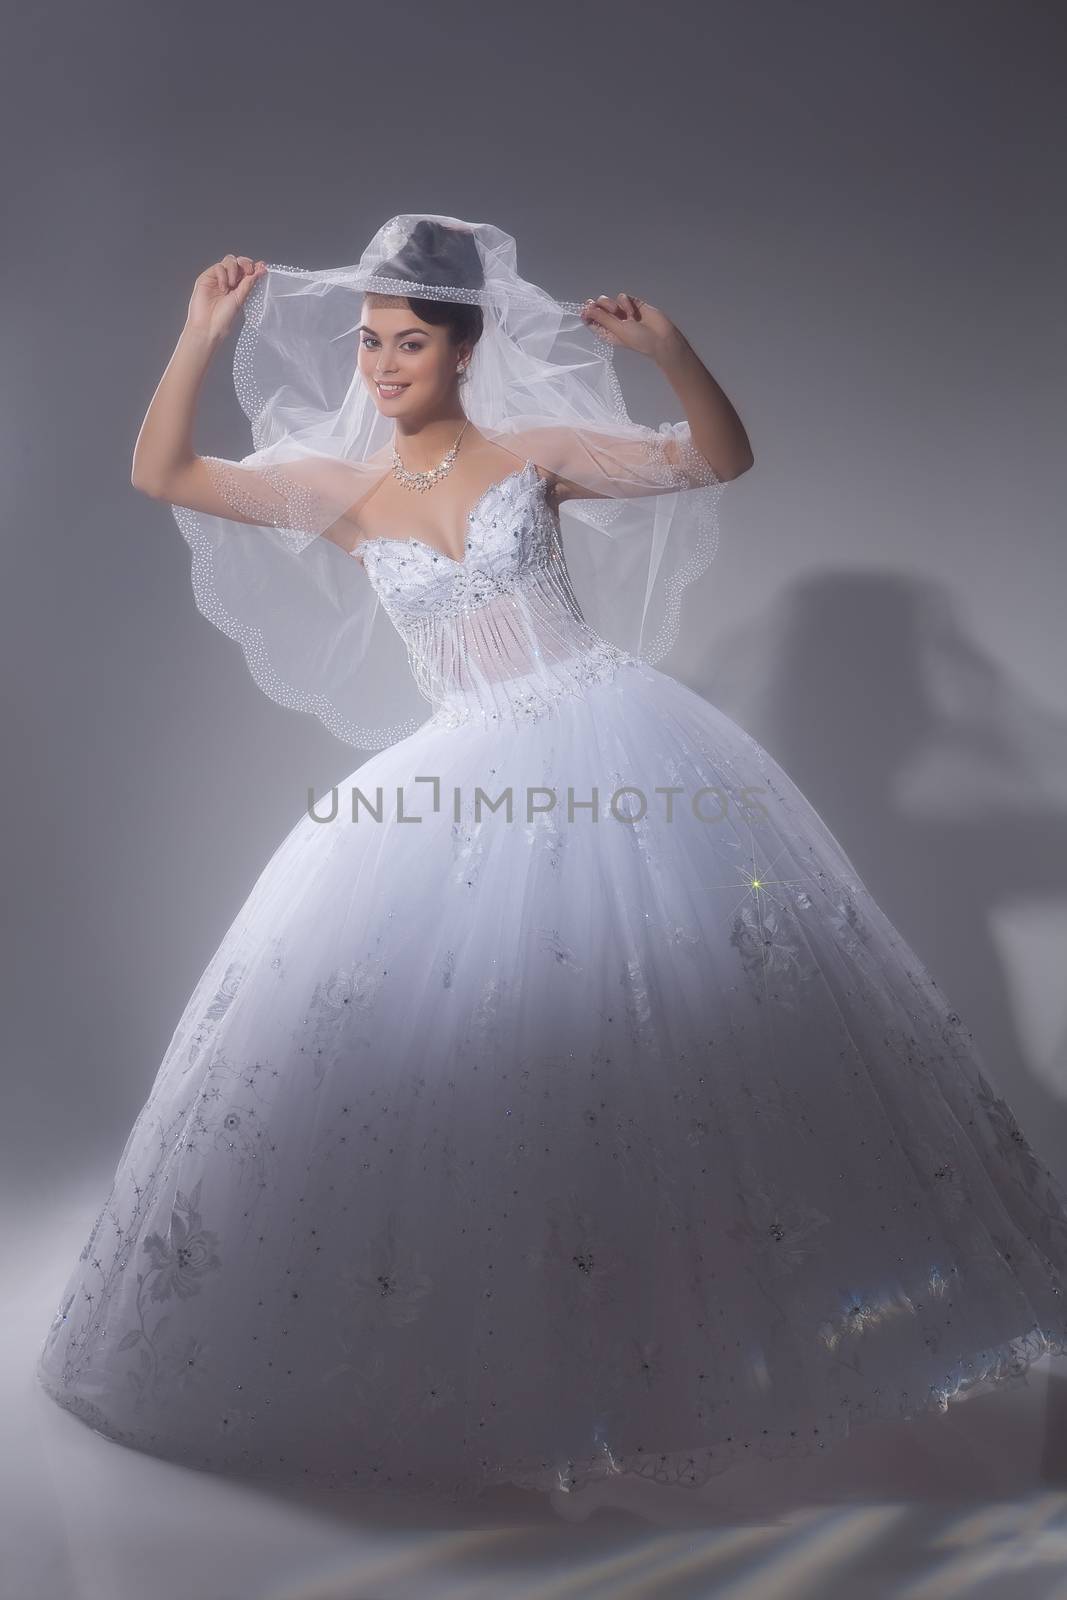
562	1113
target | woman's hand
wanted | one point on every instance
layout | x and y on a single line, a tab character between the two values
634	323
219	293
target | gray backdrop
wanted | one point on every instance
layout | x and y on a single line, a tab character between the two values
854	211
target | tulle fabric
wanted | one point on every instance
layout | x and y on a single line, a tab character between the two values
587	1156
273	545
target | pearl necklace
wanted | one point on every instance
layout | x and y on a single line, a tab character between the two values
426	480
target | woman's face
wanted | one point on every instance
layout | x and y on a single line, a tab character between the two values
397	348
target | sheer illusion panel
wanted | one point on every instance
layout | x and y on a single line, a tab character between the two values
517	652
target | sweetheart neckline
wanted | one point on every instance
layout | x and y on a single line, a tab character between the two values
460	561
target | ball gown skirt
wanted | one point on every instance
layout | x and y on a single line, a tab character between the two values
566	1152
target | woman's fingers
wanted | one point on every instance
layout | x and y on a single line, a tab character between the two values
256	270
618	306
602	304
235	272
237	267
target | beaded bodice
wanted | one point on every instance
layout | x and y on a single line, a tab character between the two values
498	634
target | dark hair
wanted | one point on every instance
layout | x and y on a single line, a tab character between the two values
436	253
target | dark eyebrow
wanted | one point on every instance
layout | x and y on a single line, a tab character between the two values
364	329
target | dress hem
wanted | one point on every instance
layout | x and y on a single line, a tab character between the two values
687	1470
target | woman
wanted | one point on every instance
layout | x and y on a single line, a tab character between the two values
518	1146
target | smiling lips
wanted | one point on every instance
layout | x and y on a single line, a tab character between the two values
391	388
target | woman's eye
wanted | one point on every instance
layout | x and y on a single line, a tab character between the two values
409	344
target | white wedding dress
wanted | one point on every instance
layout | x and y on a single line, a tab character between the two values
555	1150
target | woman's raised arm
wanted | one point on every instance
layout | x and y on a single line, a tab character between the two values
714	428
309	496
165	465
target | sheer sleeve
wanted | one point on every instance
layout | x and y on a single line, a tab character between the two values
632	462
302	499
